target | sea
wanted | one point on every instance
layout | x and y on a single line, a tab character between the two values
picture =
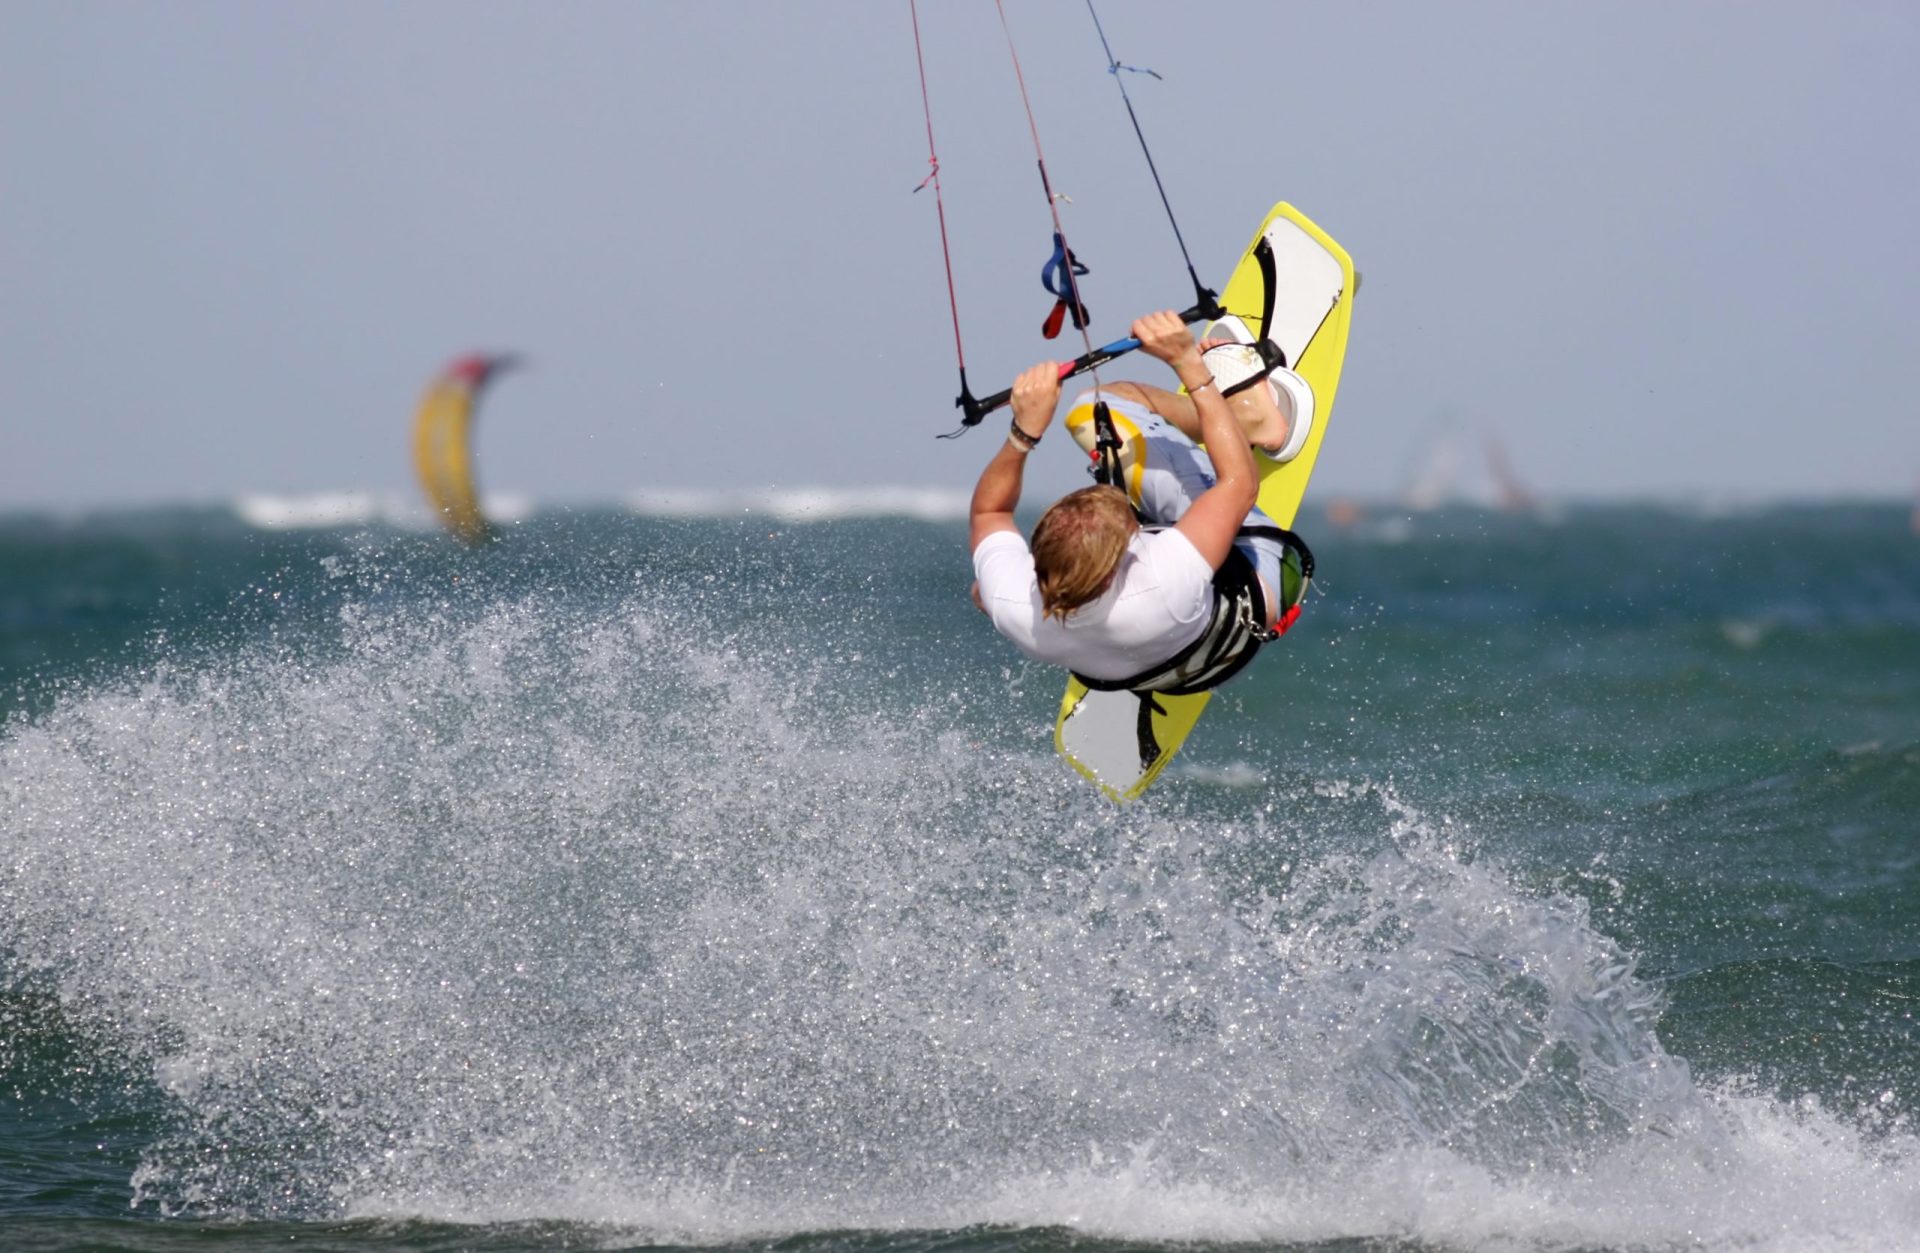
698	873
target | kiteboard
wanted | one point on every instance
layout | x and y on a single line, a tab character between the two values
1121	741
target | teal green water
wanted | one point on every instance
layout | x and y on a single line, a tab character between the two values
642	882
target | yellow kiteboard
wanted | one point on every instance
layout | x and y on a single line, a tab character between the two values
1123	740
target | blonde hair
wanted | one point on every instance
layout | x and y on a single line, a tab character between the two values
1077	545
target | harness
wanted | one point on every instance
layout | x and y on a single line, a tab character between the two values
1236	628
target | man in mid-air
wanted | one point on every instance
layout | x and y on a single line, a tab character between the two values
1182	603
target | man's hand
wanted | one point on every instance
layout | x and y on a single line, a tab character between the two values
1036	394
1165	337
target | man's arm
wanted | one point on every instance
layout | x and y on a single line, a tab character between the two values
1035	396
1172	406
1259	424
1214	520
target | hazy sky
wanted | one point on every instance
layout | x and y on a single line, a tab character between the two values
1654	248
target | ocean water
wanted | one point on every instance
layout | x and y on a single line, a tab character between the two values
657	879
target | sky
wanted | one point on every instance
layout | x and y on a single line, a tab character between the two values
1653	249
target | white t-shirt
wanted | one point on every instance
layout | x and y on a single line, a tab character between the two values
1159	602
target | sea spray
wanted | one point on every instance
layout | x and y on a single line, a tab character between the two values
522	909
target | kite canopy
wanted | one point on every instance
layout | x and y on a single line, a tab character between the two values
443	442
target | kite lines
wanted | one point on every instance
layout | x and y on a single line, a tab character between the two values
1062	273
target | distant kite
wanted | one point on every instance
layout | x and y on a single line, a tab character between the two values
443	443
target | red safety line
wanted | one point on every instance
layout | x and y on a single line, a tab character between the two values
933	176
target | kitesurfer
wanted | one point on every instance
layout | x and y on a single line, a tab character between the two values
1181	603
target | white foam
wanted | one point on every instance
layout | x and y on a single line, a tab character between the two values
316	510
326	510
1234	774
805	504
607	918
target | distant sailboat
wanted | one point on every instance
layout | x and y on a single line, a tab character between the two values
1509	494
1433	477
443	443
1441	474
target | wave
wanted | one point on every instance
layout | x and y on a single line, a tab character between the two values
523	912
806	504
325	510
